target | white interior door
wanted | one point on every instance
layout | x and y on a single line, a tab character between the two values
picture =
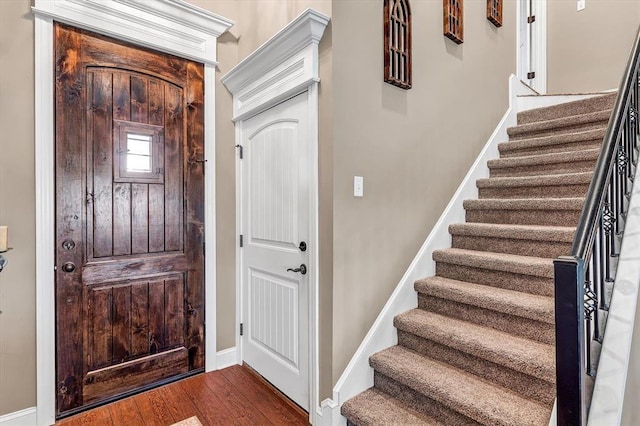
275	176
532	50
525	41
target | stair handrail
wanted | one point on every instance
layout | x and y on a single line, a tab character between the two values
583	279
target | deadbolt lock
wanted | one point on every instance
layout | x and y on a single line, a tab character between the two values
69	244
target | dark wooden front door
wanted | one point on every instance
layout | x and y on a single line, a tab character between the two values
129	218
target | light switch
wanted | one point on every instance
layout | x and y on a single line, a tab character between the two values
358	186
581	4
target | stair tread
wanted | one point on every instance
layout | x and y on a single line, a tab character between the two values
557	123
526	265
525	204
518	232
550	140
459	390
538	159
544	180
518	353
517	303
374	407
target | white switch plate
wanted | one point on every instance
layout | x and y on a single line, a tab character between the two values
581	4
358	186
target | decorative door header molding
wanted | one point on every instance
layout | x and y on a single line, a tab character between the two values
284	65
170	26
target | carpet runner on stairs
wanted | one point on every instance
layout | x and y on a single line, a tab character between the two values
479	349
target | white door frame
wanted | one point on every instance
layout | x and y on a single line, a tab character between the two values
539	59
284	66
169	26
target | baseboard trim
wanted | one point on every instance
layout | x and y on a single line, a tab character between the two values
358	375
226	358
26	417
327	414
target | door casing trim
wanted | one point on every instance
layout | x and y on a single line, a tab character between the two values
284	66
540	40
169	26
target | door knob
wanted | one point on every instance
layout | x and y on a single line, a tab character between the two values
302	269
69	267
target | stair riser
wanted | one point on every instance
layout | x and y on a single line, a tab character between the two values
544	169
593	125
525	327
551	249
518	282
583	106
551	149
524	217
420	402
524	384
548	191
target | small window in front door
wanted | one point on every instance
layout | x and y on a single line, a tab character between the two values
139	150
139	153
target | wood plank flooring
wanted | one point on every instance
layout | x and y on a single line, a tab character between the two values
233	396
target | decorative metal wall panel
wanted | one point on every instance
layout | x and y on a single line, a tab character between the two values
494	12
453	23
397	43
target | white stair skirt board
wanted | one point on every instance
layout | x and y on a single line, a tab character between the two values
26	417
358	376
613	368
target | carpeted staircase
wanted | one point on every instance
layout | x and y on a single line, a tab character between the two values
479	349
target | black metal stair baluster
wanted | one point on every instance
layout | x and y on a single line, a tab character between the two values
583	279
607	226
597	264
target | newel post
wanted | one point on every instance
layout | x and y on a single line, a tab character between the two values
570	341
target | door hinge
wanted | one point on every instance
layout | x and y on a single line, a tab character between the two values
240	150
241	240
204	247
531	75
241	329
531	19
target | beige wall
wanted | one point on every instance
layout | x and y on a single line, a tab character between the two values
17	187
412	147
588	50
17	208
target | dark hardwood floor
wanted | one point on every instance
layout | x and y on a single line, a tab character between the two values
233	396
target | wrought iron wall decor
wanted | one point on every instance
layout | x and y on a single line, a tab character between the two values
453	25
397	43
494	12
